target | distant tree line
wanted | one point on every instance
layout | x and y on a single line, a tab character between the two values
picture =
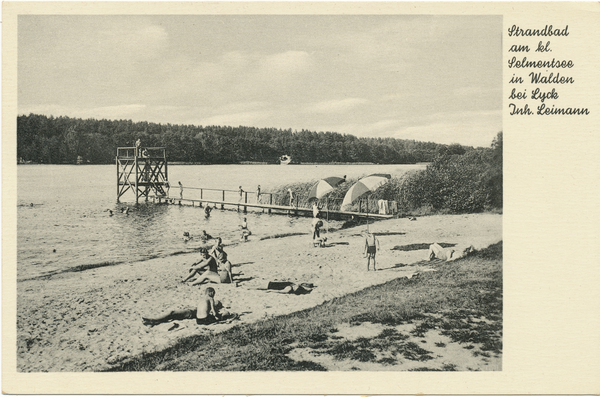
60	140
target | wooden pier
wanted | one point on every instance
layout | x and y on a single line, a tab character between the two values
270	208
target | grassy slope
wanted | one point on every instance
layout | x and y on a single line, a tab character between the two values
451	300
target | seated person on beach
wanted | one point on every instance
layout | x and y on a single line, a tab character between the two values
217	272
436	251
320	242
207	210
371	246
186	237
283	287
245	231
198	268
206	312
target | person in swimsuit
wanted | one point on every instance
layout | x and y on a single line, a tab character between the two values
436	251
206	262
258	194
205	236
245	231
371	246
284	287
180	190
316	228
207	311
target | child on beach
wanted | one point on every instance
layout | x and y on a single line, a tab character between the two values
316	227
245	231
371	246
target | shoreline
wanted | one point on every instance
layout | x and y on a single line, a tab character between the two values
91	320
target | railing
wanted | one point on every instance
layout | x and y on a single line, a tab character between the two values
366	205
144	152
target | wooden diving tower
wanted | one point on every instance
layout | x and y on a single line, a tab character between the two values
142	169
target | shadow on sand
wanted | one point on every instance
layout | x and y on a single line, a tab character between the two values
419	246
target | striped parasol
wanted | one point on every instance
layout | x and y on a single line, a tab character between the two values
365	185
324	186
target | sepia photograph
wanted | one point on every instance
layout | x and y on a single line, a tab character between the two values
299	198
259	193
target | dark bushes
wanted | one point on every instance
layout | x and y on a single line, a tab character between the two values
457	183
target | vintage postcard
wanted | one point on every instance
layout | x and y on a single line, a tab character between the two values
300	198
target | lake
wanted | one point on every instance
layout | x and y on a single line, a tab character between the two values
68	225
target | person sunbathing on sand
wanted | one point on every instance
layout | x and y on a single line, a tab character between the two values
448	254
208	311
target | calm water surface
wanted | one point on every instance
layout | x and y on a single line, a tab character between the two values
69	211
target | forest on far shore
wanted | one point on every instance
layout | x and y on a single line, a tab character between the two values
60	140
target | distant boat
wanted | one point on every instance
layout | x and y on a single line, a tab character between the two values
285	160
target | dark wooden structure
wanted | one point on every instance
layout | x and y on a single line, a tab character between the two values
143	170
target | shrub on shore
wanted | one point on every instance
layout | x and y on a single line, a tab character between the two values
457	183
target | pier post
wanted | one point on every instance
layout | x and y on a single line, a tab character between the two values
245	201
223	205
270	201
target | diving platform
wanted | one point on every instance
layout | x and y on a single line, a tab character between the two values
142	170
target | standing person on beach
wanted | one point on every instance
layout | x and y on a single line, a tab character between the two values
371	246
241	191
258	194
291	197
316	210
316	228
180	190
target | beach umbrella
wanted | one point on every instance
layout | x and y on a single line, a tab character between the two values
323	187
365	185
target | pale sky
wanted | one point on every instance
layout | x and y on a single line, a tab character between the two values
428	78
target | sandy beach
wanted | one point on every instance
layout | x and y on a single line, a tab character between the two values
91	320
